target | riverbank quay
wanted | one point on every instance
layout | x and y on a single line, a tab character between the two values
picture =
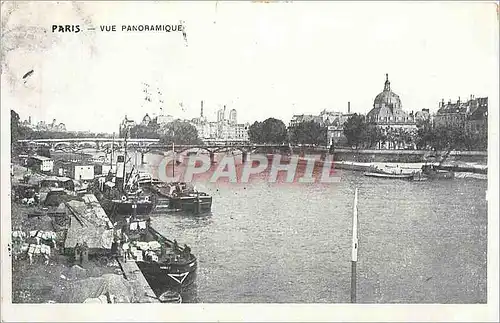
44	264
462	170
455	158
134	276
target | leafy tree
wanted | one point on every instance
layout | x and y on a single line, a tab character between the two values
179	132
451	136
43	151
270	131
274	131
372	135
424	135
151	131
255	133
308	133
14	126
354	130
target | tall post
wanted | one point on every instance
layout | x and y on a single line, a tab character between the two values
354	258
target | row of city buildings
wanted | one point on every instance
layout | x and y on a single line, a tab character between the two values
387	114
44	126
225	128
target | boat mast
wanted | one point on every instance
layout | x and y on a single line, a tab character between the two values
125	160
112	152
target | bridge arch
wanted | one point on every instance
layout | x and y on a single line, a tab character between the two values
110	144
198	148
85	144
231	148
133	144
62	144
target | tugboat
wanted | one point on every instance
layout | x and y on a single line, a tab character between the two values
119	193
182	196
166	266
175	195
432	171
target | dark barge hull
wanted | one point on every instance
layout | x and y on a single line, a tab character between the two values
184	203
190	204
173	277
164	276
125	208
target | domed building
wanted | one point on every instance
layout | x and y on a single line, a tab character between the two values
387	108
146	120
387	113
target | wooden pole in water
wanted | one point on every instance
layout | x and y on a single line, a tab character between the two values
354	256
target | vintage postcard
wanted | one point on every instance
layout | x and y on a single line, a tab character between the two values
249	161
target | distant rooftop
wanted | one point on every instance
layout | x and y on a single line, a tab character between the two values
41	158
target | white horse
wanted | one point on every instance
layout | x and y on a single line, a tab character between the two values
46	236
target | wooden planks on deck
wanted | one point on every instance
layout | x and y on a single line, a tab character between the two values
141	286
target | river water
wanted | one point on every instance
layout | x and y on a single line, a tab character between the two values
419	242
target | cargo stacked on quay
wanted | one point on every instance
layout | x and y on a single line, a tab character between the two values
88	236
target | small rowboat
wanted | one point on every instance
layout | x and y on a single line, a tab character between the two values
170	297
392	176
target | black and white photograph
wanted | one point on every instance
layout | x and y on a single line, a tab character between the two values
286	160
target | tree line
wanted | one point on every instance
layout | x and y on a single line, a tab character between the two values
178	132
358	133
274	131
363	134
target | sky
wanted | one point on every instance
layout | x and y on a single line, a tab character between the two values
263	59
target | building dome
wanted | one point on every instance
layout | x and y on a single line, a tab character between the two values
387	98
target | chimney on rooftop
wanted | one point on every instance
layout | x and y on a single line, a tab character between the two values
349	107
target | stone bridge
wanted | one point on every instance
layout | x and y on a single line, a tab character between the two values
97	142
144	145
213	148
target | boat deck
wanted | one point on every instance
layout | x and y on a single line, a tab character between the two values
166	254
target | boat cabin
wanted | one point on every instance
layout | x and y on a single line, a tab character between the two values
40	163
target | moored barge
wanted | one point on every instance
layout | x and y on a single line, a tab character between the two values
165	265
